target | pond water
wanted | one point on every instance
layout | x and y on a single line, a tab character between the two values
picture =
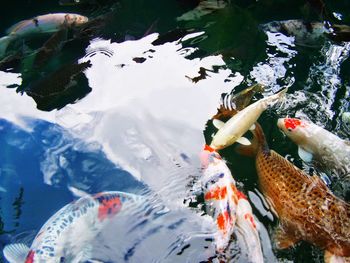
125	102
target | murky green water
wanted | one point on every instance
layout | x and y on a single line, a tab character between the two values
124	104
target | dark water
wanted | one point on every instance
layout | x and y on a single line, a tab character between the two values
123	105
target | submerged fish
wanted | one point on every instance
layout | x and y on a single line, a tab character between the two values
58	81
306	208
231	104
48	23
308	33
227	205
234	128
316	143
67	234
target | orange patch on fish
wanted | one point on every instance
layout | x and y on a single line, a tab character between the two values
292	123
223	220
249	217
30	257
109	207
237	194
208	148
217	193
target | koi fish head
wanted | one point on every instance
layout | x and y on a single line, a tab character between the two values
293	128
208	156
75	20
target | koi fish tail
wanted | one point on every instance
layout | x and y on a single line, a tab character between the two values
258	143
4	42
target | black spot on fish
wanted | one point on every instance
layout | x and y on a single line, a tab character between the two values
139	59
36	22
183	249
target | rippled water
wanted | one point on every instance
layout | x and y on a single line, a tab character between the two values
134	117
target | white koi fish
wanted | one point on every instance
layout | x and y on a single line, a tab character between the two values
319	144
234	128
227	205
48	23
79	221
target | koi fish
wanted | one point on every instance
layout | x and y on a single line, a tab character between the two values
317	143
48	23
248	228
240	123
308	33
227	205
80	221
231	104
306	208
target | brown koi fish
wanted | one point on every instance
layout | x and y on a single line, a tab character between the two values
306	208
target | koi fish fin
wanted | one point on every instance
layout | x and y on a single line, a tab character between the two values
4	42
252	128
248	150
16	253
218	124
15	27
331	258
243	141
305	155
284	240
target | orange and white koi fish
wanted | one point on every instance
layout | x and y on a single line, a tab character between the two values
48	23
240	123
68	233
227	205
327	149
306	208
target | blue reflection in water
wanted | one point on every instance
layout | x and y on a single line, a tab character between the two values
22	155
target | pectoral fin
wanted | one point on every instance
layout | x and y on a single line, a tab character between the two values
283	239
305	155
243	141
218	124
252	128
16	253
331	258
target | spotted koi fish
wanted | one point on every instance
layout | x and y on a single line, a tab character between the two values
80	221
319	144
226	204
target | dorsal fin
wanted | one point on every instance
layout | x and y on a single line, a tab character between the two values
16	253
13	29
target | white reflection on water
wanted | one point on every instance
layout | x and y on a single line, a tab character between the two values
325	74
149	120
271	73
